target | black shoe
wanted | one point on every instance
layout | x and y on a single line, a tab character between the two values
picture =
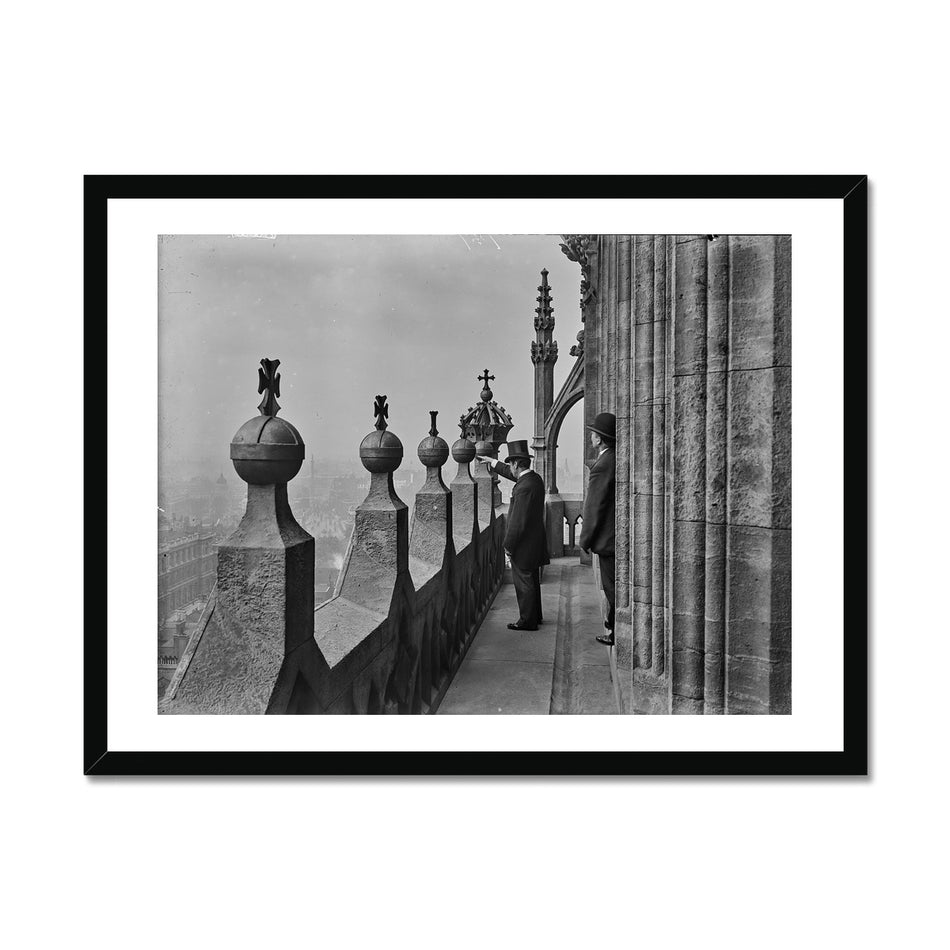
520	626
607	641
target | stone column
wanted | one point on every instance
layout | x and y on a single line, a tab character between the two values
730	515
758	481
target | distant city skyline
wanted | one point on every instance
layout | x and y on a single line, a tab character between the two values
414	317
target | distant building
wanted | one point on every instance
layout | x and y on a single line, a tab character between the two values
173	636
187	564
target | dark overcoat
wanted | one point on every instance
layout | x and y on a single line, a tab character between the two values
597	534
525	537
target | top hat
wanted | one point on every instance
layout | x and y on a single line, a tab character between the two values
518	450
605	424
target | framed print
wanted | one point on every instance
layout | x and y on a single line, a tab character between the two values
477	475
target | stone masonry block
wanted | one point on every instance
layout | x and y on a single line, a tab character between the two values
689	315
643	282
752	330
641	529
759	447
643	368
716	454
643	449
759	596
717	305
689	585
689	448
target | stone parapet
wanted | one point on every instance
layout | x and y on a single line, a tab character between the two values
405	609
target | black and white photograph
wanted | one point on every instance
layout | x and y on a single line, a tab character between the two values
474	474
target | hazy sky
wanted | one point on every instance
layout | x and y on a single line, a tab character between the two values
417	318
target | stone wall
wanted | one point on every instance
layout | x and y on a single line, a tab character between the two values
688	342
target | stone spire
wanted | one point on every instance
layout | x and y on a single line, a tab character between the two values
543	321
544	356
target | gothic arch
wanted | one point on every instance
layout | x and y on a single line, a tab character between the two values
571	393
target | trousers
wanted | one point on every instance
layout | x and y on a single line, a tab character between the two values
528	591
608	568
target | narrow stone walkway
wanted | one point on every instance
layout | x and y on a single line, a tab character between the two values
557	669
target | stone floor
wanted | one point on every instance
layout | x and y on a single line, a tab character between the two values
557	669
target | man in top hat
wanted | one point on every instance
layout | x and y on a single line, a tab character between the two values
525	540
597	535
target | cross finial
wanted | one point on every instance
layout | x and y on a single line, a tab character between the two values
433	431
269	382
486	377
381	411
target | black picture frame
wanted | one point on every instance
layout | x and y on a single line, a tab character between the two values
852	760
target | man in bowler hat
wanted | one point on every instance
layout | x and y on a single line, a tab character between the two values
597	535
525	540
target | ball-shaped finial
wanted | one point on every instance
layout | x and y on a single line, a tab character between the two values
433	450
463	450
267	450
486	448
381	451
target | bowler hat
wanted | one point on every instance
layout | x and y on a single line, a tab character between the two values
605	424
518	450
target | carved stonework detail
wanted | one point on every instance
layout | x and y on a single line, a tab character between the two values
582	249
544	352
545	312
486	421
